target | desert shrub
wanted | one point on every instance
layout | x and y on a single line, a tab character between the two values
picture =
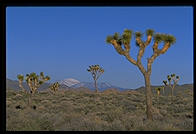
80	111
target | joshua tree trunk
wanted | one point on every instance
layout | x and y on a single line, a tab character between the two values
163	90
20	85
29	99
96	89
172	92
148	96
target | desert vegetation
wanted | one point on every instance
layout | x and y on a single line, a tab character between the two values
121	43
54	87
96	72
77	110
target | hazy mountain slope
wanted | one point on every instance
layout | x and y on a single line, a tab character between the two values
101	85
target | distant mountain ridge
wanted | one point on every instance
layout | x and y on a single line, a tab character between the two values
101	85
13	84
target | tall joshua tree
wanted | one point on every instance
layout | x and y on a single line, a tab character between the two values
122	45
96	72
171	78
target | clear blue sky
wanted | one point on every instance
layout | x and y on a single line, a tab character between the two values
63	41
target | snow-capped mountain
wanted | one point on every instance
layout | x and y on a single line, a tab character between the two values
69	82
73	83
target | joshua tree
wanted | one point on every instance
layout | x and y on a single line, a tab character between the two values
54	87
122	45
96	72
20	80
34	81
171	78
158	91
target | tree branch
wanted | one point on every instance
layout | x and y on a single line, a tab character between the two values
147	42
156	53
129	58
118	47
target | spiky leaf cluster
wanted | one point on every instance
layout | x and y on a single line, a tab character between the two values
149	32
124	39
158	37
138	34
20	77
165	82
169	38
109	38
166	38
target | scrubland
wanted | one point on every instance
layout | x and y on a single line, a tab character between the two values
85	110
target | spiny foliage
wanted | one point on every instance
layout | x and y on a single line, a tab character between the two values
138	34
169	38
166	38
125	38
118	40
149	32
158	37
20	77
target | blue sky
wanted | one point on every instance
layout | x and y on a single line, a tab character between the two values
63	41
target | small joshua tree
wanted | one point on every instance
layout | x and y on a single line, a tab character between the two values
171	78
20	80
121	43
54	87
96	72
158	89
